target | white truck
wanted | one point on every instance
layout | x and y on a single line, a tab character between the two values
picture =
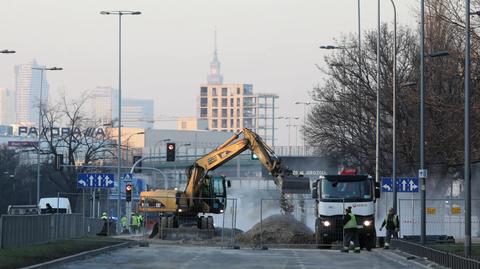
333	194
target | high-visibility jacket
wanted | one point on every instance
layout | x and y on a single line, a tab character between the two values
124	221
134	220
140	218
104	216
352	223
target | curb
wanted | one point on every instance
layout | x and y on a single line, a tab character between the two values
79	256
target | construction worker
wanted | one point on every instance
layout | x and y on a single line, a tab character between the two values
140	221
392	225
350	232
134	223
124	222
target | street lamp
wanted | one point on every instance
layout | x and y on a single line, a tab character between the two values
119	13
6	51
305	104
289	118
126	153
394	110
40	125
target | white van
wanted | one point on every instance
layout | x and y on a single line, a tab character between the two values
57	204
23	210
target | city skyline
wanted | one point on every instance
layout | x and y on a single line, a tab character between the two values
272	45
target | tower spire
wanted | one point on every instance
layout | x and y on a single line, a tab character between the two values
215	77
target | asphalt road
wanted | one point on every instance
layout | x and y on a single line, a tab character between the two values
174	256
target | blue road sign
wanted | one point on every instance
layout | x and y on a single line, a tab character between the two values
127	177
95	180
404	184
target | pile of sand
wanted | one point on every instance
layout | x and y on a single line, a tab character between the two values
278	229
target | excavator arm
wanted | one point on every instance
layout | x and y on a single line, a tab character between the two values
229	150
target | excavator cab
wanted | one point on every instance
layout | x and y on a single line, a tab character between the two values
215	193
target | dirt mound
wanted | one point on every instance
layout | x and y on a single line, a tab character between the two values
278	229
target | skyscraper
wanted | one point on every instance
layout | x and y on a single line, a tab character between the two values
99	105
7	102
27	92
102	106
137	113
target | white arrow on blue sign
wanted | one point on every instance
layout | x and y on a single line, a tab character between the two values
85	180
404	184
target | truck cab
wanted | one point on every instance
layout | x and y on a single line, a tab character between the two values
333	194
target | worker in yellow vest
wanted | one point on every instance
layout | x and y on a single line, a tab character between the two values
134	221
350	232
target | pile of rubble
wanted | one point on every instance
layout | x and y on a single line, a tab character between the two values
278	229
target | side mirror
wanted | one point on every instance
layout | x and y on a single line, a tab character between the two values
377	190
314	193
229	184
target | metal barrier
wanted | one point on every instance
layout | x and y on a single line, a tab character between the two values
438	256
20	230
187	222
444	217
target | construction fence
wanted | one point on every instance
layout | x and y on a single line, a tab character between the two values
443	217
187	224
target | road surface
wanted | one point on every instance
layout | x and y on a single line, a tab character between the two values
174	256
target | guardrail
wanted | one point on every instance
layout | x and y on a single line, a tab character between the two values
438	256
21	230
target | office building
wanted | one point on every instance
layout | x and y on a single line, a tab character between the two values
27	92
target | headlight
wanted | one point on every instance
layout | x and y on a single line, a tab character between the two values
326	223
367	223
180	210
221	210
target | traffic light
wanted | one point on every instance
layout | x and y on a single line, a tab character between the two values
138	167
128	192
58	162
171	152
253	156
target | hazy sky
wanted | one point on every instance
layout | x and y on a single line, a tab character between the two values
272	44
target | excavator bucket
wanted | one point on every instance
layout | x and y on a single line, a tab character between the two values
295	185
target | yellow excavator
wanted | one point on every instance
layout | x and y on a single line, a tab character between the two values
207	194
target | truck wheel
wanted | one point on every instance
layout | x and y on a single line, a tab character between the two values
210	223
320	241
371	242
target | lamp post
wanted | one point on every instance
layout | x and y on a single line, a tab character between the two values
394	110
289	125
40	125
119	13
305	104
126	151
466	172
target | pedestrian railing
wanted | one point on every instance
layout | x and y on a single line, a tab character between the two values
21	230
440	257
